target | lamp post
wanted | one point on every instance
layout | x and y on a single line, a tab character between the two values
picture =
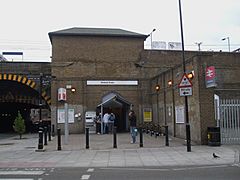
40	99
188	134
151	36
228	39
157	88
199	45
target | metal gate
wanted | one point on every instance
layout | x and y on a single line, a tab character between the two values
229	120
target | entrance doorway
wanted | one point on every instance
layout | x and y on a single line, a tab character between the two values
115	103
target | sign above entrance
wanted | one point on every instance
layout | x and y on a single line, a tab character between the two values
112	82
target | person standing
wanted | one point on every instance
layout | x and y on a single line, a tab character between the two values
133	124
111	122
97	120
105	122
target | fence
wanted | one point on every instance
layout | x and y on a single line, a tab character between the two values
229	121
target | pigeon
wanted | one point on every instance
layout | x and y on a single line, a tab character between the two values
215	156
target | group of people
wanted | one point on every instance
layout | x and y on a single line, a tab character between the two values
108	121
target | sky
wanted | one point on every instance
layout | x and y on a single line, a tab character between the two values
25	24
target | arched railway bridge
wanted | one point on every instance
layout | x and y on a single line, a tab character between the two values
24	87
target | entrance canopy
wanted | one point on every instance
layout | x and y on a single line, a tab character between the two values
113	100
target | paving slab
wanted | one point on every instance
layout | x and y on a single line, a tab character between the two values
21	153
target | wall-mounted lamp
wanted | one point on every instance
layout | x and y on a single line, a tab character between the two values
69	87
157	87
169	83
73	90
190	75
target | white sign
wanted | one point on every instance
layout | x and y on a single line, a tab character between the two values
185	91
174	46
61	116
179	112
185	82
159	45
112	83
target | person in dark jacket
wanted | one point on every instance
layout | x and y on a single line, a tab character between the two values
98	121
133	124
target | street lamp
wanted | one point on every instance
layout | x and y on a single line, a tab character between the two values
228	39
40	98
188	134
151	36
157	88
199	45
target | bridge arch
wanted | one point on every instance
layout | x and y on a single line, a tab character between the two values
28	82
21	93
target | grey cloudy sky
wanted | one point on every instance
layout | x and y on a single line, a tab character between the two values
25	23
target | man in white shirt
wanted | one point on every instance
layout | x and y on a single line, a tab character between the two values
105	122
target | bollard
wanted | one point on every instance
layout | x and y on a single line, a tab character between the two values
115	137
45	135
141	137
166	136
157	131
53	133
188	138
40	140
49	132
152	133
59	139
144	130
87	138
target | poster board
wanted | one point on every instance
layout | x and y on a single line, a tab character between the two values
179	112
61	116
147	115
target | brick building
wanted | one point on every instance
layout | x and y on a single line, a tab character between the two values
110	71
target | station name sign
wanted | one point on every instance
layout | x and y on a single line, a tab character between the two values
112	83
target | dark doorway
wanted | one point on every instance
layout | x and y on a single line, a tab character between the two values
114	103
14	97
8	113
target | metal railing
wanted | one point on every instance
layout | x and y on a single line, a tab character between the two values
230	121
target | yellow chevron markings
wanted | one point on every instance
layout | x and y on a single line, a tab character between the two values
24	80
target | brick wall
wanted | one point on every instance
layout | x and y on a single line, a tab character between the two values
78	59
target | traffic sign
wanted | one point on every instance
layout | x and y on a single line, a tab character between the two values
185	91
185	82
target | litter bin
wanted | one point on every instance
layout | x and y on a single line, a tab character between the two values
214	136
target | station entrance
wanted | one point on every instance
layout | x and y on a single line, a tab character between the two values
116	104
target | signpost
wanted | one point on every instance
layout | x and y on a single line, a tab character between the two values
185	89
62	96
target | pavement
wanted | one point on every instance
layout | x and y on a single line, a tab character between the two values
22	153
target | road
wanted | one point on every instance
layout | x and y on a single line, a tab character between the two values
218	172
